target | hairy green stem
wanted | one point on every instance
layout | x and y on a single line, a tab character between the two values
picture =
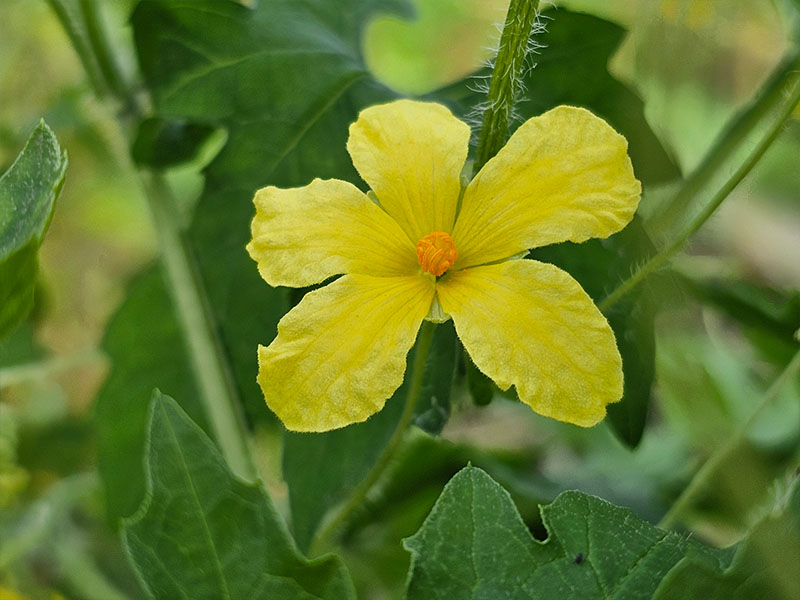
505	84
356	500
709	468
774	105
206	356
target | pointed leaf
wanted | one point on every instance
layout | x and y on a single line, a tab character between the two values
201	533
28	191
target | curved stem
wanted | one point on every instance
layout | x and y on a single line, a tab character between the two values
775	104
701	478
506	75
356	500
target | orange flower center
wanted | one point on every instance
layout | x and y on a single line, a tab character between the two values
436	253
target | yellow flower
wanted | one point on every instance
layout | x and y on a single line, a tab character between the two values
425	249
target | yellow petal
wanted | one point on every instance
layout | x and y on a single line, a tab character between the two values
302	236
531	325
411	155
562	176
341	352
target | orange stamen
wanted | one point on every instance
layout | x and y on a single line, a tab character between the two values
436	253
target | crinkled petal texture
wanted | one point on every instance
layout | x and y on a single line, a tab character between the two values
411	155
564	175
341	352
531	325
302	236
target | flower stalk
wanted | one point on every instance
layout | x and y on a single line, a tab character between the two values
356	500
506	81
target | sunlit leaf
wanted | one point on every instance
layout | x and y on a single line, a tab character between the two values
201	533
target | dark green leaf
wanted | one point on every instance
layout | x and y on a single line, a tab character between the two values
322	469
28	191
201	533
163	143
285	80
573	69
474	545
146	349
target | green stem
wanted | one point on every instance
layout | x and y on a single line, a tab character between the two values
774	105
102	50
704	474
506	76
359	495
76	34
209	364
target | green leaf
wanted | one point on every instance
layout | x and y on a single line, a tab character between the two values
164	143
214	49
201	533
322	469
146	349
475	545
284	80
28	191
572	69
593	550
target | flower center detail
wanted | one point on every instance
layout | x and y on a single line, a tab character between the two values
436	253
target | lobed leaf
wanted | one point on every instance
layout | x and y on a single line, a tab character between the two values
475	545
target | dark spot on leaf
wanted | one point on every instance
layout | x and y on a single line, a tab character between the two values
578	558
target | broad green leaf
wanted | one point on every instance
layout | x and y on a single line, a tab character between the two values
28	191
284	79
201	533
214	48
573	69
322	469
146	349
475	545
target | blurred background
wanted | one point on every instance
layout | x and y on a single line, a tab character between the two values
694	63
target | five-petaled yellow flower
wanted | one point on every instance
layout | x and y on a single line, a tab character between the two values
425	248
